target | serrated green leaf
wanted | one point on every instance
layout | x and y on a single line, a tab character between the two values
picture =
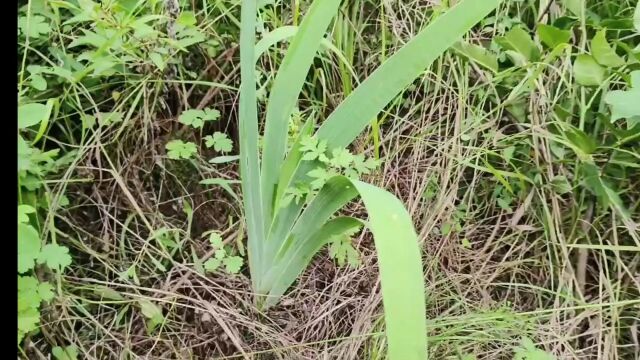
34	27
219	141
215	240
341	158
45	291
56	257
211	114
28	320
177	149
194	118
28	247
603	52
212	264
587	71
220	254
341	249
28	294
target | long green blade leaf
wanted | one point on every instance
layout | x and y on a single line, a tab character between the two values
398	258
286	88
401	274
249	161
357	110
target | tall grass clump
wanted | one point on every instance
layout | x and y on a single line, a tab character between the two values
284	234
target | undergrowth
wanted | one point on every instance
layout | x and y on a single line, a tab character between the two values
516	153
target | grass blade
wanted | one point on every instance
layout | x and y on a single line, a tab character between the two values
400	273
285	91
357	110
398	258
249	161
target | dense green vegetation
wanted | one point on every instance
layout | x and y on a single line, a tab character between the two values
155	221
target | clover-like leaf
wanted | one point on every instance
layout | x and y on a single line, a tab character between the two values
45	290
28	321
219	141
28	294
56	257
215	240
196	118
210	114
212	264
177	149
232	264
220	254
363	166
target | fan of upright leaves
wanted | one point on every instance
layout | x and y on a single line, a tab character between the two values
284	238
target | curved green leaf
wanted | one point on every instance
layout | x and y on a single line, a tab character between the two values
395	74
403	294
603	52
479	55
396	247
551	36
587	71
